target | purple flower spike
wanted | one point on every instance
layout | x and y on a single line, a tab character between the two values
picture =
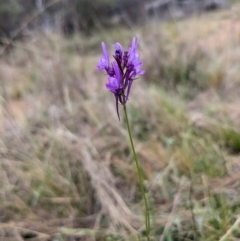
123	72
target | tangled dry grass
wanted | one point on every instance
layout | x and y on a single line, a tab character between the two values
66	170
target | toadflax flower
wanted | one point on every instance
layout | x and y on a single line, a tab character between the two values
121	72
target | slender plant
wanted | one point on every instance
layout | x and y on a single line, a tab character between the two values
121	74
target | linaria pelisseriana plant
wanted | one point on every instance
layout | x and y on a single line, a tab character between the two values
121	74
122	71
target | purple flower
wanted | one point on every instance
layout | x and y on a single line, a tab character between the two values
132	51
114	83
103	61
124	70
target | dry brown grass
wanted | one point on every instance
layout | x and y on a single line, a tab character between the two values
66	169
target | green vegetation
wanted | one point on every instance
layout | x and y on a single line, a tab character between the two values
66	168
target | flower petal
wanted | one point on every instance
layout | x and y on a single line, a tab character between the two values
105	52
118	72
118	46
112	84
103	64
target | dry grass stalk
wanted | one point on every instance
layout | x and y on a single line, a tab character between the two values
102	181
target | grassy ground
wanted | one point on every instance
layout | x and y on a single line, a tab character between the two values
66	170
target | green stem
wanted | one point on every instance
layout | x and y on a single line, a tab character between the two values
147	219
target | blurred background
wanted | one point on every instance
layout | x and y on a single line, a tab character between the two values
66	168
